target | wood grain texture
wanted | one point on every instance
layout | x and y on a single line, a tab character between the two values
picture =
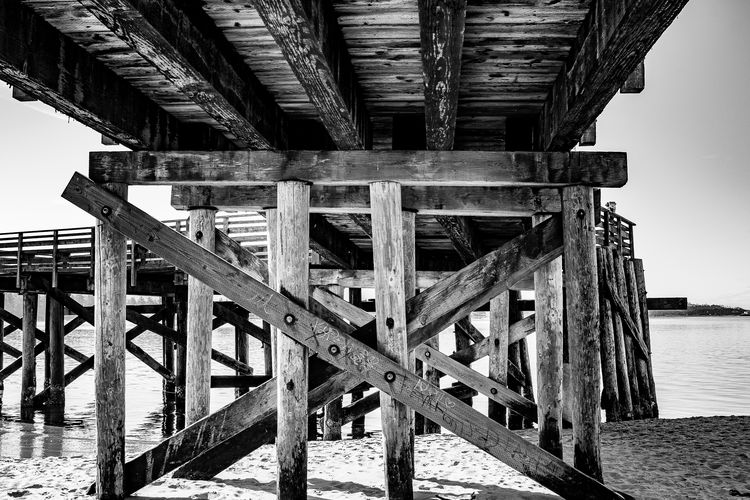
359	358
57	355
646	330
453	168
548	294
636	82
202	230
427	200
332	412
292	265
497	347
610	397
583	325
28	356
644	382
109	352
308	35
390	317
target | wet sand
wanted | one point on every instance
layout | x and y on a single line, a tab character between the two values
693	458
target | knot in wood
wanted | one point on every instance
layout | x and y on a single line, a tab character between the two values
198	235
290	385
389	322
581	213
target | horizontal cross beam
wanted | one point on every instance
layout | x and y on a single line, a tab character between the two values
352	168
426	200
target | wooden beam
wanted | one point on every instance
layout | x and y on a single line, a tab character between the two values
185	47
497	347
365	278
52	68
355	200
350	168
332	411
331	245
614	40
636	82
589	136
583	325
200	298
110	285
390	316
292	271
309	37
462	235
548	286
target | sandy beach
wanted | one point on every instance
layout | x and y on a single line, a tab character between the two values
692	458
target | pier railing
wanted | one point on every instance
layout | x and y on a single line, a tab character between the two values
71	250
616	231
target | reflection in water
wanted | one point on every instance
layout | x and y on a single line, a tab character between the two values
701	367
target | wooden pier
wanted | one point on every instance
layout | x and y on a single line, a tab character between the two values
416	150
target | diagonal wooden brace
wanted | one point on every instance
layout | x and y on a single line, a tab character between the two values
347	353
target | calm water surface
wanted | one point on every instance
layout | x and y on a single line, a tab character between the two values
701	368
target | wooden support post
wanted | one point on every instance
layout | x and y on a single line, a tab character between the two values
292	269
267	350
110	295
528	383
168	349
621	287
358	424
432	376
56	332
332	413
641	363
273	256
498	352
579	244
199	316
515	420
2	339
548	305
241	351
462	342
390	316
28	368
410	290
610	397
180	355
641	283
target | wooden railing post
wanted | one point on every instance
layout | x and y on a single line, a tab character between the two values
548	295
110	268
199	330
28	367
292	270
583	324
390	300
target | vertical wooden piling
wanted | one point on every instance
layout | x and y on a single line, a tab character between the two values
273	255
390	301
199	328
46	347
528	382
579	231
110	296
2	329
267	351
168	354
646	329
548	295
332	413
241	351
462	342
515	421
28	366
180	358
641	364
610	398
432	376
621	362
635	393
292	270
358	424
56	329
410	289
498	352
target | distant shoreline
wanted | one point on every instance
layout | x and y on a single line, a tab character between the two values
704	310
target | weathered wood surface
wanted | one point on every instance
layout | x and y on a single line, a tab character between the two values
241	353
56	329
462	235
28	343
332	417
641	363
110	286
610	397
36	58
202	230
390	318
644	302
349	168
291	356
311	41
620	301
427	200
614	41
353	356
548	293
583	325
497	348
636	82
189	57
365	278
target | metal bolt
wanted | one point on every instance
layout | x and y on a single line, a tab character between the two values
390	377
198	235
581	213
389	322
493	391
427	354
289	319
334	349
106	211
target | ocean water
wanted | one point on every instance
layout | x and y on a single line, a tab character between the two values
701	368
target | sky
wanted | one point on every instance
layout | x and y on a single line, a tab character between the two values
685	136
